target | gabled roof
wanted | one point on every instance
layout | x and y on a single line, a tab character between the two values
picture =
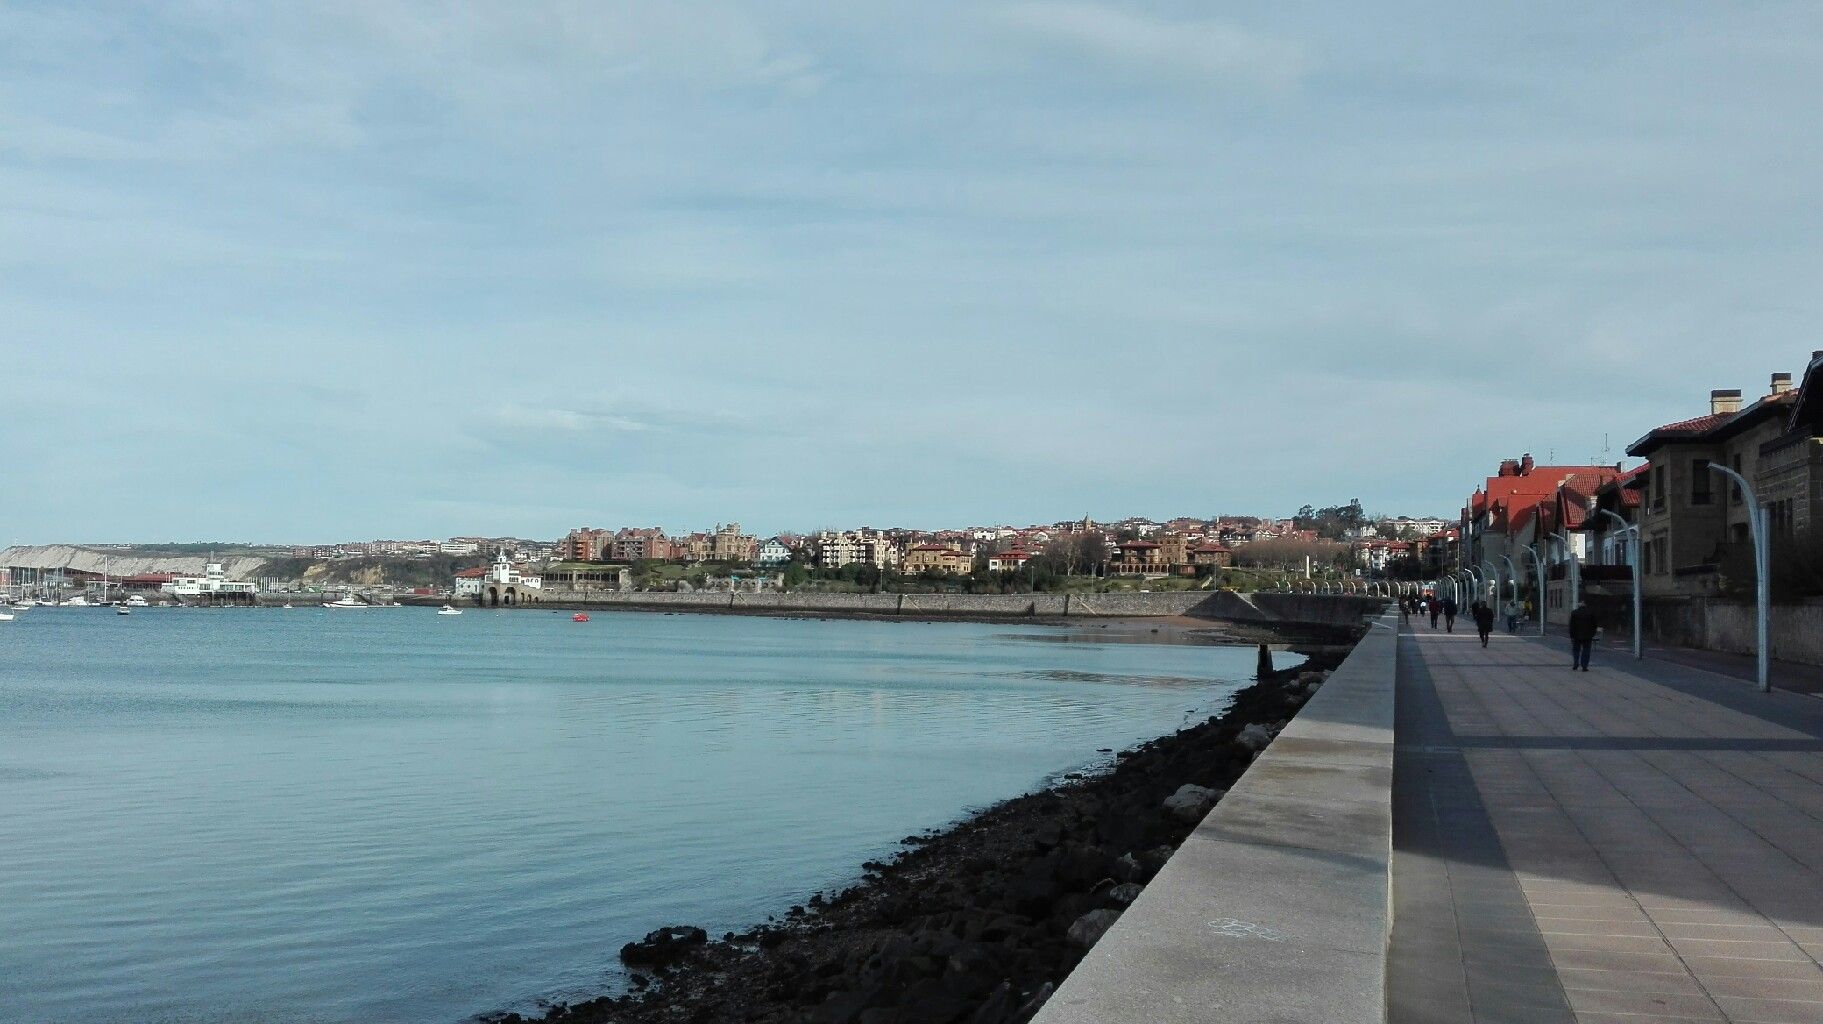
1713	427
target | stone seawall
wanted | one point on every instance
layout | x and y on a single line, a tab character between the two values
1276	907
1336	611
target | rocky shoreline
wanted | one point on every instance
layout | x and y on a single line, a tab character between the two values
975	924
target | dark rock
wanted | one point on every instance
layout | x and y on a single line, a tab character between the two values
663	947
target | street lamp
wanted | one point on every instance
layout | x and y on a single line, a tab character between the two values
1493	574
1632	528
1759	521
1574	576
1532	549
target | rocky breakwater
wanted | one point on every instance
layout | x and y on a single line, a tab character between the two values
976	924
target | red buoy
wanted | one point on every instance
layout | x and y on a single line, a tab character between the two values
579	617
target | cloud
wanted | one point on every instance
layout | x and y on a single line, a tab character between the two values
1138	44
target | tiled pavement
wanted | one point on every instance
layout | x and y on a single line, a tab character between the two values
1643	842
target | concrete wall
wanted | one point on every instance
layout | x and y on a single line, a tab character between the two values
1276	907
1714	625
1338	611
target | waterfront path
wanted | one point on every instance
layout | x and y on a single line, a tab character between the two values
1642	842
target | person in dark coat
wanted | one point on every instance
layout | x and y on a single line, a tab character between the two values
1450	607
1436	609
1582	637
1484	620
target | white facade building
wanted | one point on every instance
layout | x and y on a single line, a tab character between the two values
772	552
213	582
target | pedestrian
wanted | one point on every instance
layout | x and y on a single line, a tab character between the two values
1484	620
1449	614
1513	616
1436	609
1582	637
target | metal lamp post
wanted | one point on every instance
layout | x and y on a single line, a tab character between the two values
1493	574
1638	600
1574	576
1538	559
1759	520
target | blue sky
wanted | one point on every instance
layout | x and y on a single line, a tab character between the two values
334	270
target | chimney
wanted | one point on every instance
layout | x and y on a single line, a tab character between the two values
1509	467
1724	400
1526	464
1781	383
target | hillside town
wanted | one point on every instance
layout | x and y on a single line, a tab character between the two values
1131	552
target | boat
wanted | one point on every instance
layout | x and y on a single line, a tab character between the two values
121	609
77	602
137	601
449	610
346	601
5	616
287	604
580	617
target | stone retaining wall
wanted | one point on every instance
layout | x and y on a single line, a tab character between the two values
1276	907
1712	625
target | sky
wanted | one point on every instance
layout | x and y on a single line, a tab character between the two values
335	270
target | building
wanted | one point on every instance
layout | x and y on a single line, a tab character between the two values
1139	558
507	584
468	582
1375	555
213	586
729	544
1690	516
937	558
835	549
584	544
585	577
772	552
642	544
1211	554
1008	561
1490	527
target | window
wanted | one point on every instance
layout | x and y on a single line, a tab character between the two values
1699	482
1658	487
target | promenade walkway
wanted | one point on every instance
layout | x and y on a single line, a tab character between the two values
1642	842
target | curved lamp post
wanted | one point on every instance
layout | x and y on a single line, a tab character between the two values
1574	576
1633	556
1513	574
1532	549
1759	520
1494	574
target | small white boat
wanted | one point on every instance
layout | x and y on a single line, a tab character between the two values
346	601
137	602
5	616
287	604
449	610
121	610
77	602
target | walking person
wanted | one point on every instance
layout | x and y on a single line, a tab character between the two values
1582	637
1449	614
1512	611
1436	609
1484	620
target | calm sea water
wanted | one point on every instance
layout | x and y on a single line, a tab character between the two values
386	815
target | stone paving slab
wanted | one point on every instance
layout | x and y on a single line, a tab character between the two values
1642	842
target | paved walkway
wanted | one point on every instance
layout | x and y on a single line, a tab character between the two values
1643	842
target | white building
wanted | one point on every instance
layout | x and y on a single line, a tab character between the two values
507	574
772	552
459	547
214	582
468	582
846	547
